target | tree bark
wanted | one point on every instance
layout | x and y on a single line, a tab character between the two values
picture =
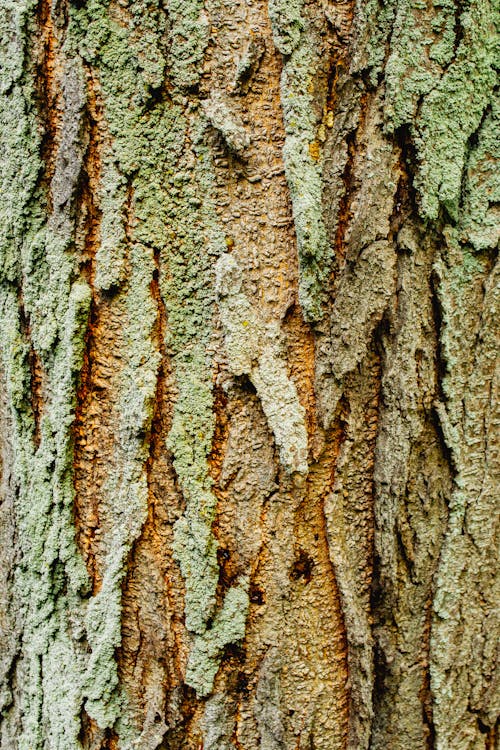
248	325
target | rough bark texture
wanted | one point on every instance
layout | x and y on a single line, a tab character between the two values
248	413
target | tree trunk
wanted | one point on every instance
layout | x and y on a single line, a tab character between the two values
248	321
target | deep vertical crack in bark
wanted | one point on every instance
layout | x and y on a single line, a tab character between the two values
86	506
48	86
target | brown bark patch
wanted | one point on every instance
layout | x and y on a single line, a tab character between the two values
95	373
48	90
89	211
301	357
425	691
94	738
318	647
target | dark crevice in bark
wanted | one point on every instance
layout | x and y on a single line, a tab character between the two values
303	566
180	734
350	183
256	594
88	221
472	143
226	558
459	31
34	362
89	211
405	199
491	734
160	423
228	573
425	692
440	369
48	91
380	588
301	350
245	385
344	211
93	738
36	372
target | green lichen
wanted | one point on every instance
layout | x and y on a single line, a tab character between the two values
57	303
39	287
287	24
128	65
422	42
188	292
479	219
111	253
445	123
20	161
303	168
439	79
126	489
373	20
49	581
189	38
452	79
228	627
189	301
190	441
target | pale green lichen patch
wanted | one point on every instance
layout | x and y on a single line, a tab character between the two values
190	441
452	80
48	584
189	300
44	307
111	252
189	297
128	61
371	28
479	219
20	162
422	42
445	123
439	80
254	349
126	488
189	36
301	154
227	627
287	24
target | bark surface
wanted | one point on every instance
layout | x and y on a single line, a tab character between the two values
249	461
